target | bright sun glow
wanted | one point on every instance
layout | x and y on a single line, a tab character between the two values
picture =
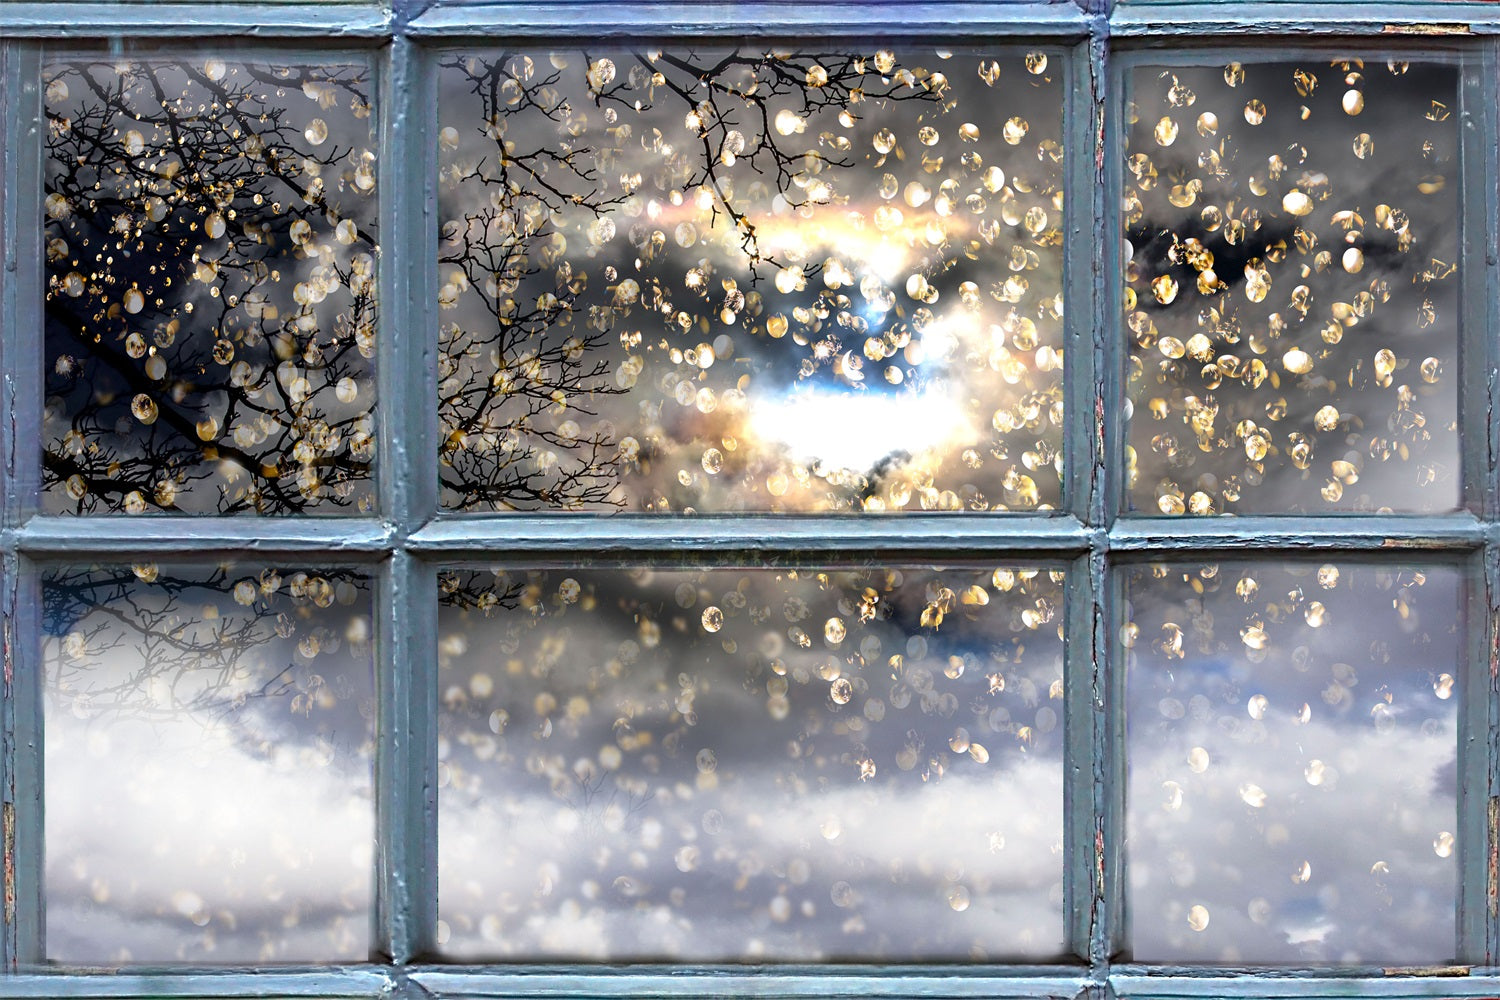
855	430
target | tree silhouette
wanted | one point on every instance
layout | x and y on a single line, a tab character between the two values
210	301
210	732
152	641
598	207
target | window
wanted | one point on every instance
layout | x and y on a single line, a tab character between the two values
993	499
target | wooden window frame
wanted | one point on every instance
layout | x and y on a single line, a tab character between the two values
404	543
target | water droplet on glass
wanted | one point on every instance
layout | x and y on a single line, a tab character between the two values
1443	845
144	408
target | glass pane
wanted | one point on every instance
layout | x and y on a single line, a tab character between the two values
1292	287
751	765
210	302
1293	761
209	744
716	279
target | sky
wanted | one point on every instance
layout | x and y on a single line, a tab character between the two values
212	805
1323	373
901	331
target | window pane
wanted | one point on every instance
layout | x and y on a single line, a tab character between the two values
751	764
210	302
1293	761
1292	287
209	738
717	279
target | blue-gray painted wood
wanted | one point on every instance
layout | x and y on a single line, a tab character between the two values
95	20
117	536
1254	984
1430	22
571	23
21	320
406	762
1484	834
229	982
903	535
1478	117
1179	536
851	982
408	542
1084	473
24	658
1479	111
1475	926
21	351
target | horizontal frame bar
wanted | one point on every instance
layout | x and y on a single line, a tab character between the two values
85	537
901	536
210	21
567	23
1166	982
1176	536
1382	20
322	982
852	982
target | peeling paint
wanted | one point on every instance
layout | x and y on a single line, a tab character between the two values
1494	858
8	817
1427	970
1426	29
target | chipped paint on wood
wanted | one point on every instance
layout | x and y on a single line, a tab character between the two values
8	817
1426	29
1494	857
1428	970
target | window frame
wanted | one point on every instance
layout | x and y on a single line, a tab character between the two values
410	538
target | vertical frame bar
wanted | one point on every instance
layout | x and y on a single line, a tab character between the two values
8	916
1479	93
1476	770
1479	134
1110	938
25	867
406	770
1090	471
1085	466
21	308
408	321
1093	902
20	399
1082	469
1480	829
